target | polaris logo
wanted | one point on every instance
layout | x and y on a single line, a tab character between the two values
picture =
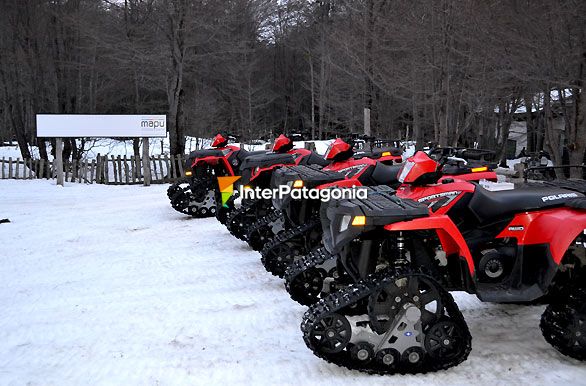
560	196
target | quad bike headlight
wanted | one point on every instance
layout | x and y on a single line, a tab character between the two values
479	169
386	153
356	221
345	222
188	173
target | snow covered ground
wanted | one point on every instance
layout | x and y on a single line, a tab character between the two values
109	285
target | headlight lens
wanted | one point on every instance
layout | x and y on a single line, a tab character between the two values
345	222
188	173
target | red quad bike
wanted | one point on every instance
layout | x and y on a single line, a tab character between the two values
305	234
299	217
318	273
256	172
404	255
267	227
194	195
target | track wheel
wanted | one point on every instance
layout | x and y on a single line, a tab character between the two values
279	258
413	356
564	325
362	352
331	334
445	340
306	287
388	358
258	237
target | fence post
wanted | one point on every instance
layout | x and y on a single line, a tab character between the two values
42	169
161	166
170	166
114	171
133	169
126	180
119	161
9	167
2	167
92	170
106	172
16	164
154	168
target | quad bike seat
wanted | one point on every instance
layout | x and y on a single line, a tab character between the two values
385	174
487	205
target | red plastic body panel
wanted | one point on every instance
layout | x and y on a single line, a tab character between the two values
212	160
280	142
449	235
337	147
219	140
422	165
558	227
302	153
430	194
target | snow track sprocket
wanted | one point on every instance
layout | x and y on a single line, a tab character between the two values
305	279
199	203
284	248
407	342
265	229
177	186
240	219
563	324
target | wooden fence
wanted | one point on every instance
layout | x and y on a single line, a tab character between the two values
102	170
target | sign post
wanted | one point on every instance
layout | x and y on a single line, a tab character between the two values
146	162
59	160
61	126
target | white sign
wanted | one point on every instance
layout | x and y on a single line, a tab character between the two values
80	125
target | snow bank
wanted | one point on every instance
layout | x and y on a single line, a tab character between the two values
109	285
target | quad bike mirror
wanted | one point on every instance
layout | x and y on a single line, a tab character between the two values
339	150
282	144
420	169
219	141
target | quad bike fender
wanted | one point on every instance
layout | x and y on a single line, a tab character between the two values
557	227
223	161
256	173
450	237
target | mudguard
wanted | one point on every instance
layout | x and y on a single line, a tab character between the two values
557	227
450	237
